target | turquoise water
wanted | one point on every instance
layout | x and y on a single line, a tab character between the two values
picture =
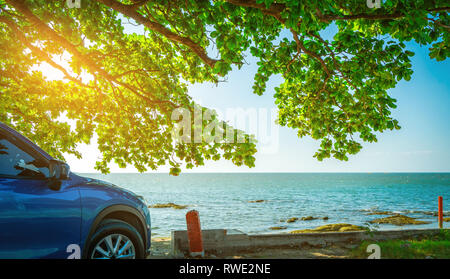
223	199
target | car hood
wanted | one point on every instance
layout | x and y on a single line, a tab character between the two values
87	181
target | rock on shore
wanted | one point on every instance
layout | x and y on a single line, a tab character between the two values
168	205
342	227
308	218
398	220
292	220
278	228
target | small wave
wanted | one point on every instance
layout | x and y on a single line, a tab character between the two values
371	209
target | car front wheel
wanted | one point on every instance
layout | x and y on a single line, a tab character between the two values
116	239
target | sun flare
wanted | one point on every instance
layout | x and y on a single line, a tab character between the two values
52	73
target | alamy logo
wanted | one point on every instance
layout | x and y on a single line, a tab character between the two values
375	251
260	123
373	4
73	3
74	250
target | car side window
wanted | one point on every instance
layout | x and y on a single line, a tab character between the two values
16	162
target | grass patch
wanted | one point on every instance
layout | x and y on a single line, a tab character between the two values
436	247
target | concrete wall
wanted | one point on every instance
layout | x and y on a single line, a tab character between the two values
221	240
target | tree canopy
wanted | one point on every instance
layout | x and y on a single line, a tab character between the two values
333	90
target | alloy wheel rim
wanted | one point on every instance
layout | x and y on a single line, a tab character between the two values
114	246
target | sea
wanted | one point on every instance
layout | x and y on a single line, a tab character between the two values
227	200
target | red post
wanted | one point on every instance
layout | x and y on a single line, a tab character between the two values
194	234
440	211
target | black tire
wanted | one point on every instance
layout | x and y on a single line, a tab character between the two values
113	226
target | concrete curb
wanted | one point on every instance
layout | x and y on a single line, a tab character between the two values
221	240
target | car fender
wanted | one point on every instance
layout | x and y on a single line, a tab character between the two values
116	208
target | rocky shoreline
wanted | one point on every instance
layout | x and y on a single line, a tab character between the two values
391	218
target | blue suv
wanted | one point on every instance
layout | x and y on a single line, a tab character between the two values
48	212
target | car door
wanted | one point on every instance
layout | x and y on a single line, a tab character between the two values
36	219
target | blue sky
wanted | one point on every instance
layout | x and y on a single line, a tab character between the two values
422	145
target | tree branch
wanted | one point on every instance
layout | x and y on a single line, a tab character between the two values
275	10
138	3
437	22
129	11
52	35
376	16
38	52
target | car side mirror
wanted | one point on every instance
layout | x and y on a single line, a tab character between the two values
58	170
